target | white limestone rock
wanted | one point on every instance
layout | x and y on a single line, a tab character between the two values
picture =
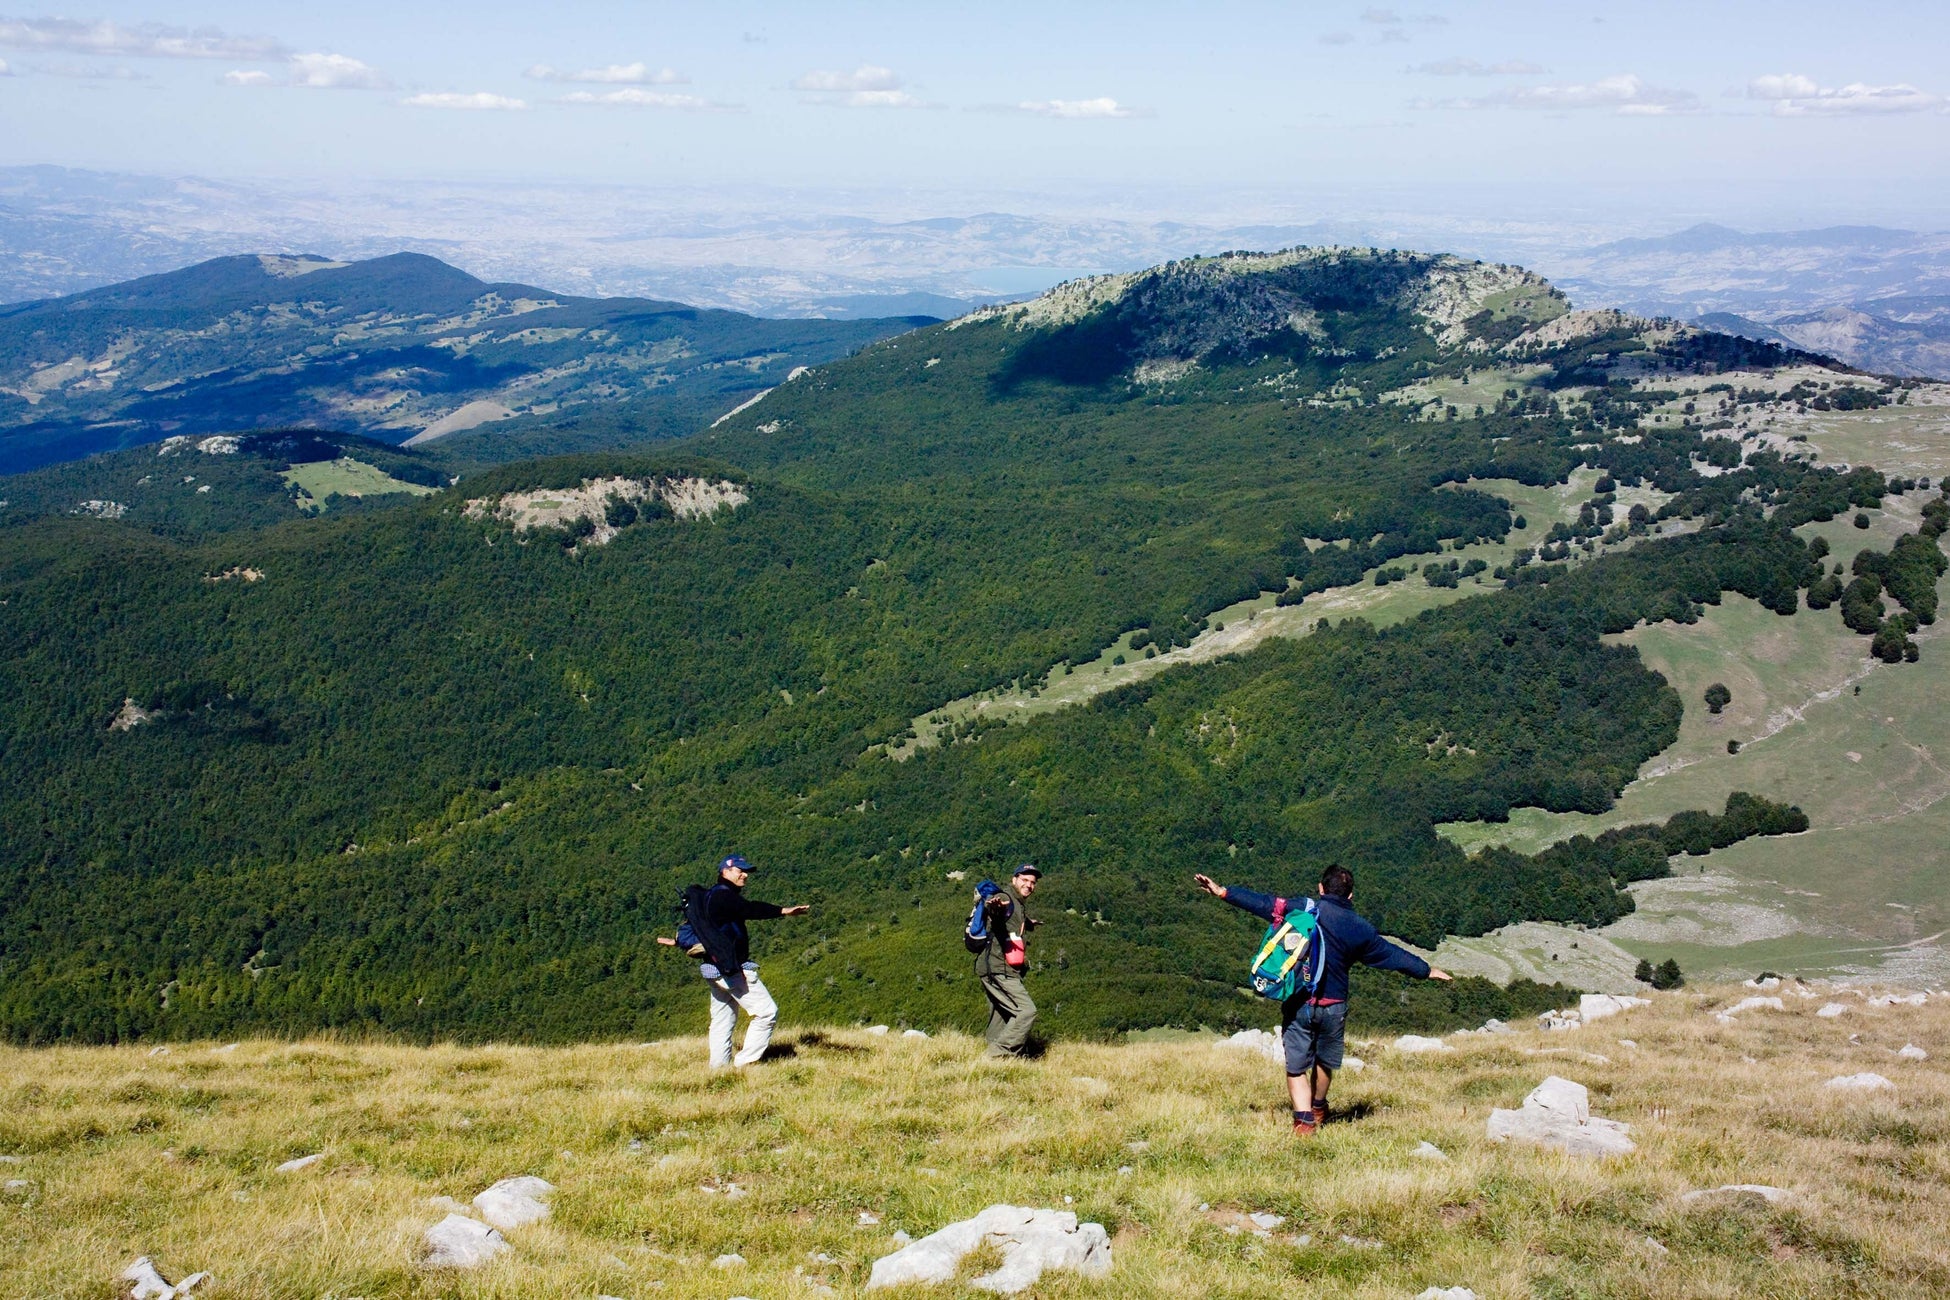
1430	1151
1772	1195
1031	1241
1829	1010
914	1033
1354	1063
302	1162
729	1261
1255	1040
1864	1082
1557	1021
1771	982
1749	1004
460	1242
1899	1000
515	1202
1267	1222
1447	1293
147	1282
877	1029
1911	1052
1417	1043
1596	1006
1557	1113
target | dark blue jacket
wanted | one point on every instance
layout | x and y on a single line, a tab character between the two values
726	909
1350	938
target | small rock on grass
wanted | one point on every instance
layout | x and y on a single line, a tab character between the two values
1864	1082
302	1162
914	1033
1417	1043
149	1284
1429	1151
1267	1222
1772	1195
876	1029
460	1242
1911	1052
733	1260
515	1202
1447	1293
1829	1010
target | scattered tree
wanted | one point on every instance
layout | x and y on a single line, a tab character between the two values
1718	697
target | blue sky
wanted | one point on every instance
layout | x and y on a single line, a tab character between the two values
1735	107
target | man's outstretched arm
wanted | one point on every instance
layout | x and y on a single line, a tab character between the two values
1246	900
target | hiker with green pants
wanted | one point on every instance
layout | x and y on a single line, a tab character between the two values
998	935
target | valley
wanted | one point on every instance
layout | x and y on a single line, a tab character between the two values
441	767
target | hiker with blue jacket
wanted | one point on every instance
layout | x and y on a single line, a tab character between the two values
714	928
1313	1020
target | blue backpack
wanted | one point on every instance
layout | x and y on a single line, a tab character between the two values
978	919
1290	956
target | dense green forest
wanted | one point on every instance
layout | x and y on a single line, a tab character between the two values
433	775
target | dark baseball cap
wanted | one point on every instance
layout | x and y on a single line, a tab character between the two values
734	863
1028	869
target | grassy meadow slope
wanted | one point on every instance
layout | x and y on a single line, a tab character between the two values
1820	724
121	1152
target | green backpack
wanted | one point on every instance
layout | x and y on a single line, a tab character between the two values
1282	967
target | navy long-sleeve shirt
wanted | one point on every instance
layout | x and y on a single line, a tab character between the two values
1350	938
727	909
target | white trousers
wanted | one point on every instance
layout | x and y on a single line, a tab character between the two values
730	996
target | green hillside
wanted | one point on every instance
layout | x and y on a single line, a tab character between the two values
442	766
393	348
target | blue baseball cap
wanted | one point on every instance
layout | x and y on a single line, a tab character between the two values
734	863
1028	869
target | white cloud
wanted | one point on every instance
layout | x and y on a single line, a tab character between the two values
1794	95
243	78
867	86
1385	17
1626	94
1472	68
1338	38
478	101
336	72
142	41
634	98
1076	108
875	99
865	78
5	71
616	74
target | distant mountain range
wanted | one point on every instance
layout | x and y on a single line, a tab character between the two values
843	256
400	348
1876	298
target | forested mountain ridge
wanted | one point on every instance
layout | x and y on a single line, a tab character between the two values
441	770
395	347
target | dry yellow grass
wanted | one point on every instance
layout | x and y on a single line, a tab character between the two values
172	1155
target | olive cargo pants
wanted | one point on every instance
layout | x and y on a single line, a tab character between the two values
1011	1014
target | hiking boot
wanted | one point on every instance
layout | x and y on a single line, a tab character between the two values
1320	1114
1304	1126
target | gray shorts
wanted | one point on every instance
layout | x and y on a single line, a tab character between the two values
1314	1035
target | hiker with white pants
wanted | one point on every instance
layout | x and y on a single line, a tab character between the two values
714	928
